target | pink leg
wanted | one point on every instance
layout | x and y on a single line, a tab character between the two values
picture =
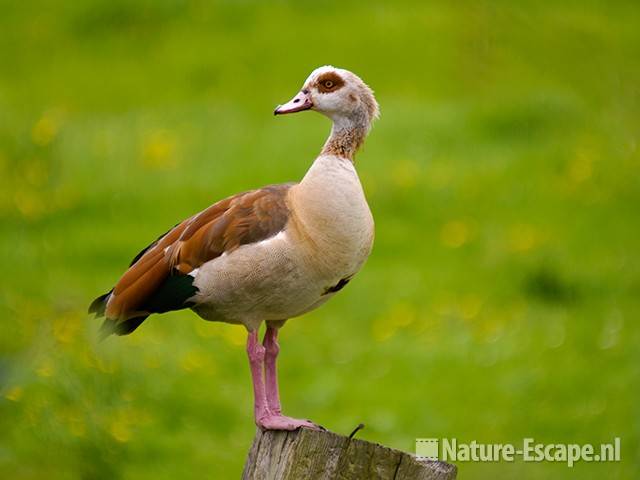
272	349
256	353
267	402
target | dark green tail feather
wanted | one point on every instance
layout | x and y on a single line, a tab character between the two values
173	294
99	305
111	327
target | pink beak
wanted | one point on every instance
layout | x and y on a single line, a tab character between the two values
300	102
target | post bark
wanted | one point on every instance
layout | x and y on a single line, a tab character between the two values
314	455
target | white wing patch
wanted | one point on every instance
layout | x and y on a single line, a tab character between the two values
279	236
194	272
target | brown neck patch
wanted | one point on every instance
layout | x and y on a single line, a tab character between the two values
345	143
329	82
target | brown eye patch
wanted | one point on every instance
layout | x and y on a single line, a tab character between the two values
329	82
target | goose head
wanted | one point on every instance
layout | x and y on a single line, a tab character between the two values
336	93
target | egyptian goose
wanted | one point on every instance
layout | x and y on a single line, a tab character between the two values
265	255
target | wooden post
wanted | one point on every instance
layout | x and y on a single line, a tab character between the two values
312	455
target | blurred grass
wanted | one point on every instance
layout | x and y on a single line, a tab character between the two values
502	297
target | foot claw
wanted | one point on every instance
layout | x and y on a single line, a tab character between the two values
316	425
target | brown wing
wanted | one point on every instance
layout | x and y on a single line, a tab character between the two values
146	287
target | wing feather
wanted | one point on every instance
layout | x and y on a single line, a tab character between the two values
242	219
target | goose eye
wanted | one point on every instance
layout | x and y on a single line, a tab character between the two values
328	84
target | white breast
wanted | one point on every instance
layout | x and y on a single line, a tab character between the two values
332	217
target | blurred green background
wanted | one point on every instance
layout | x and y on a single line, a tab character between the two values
502	297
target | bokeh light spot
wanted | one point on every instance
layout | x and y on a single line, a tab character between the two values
455	234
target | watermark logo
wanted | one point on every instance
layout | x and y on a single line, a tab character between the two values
450	450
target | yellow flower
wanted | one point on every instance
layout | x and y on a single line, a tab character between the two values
120	429
29	203
235	336
405	173
399	316
455	233
45	129
77	427
581	167
158	150
523	238
14	394
470	306
193	360
65	328
45	369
